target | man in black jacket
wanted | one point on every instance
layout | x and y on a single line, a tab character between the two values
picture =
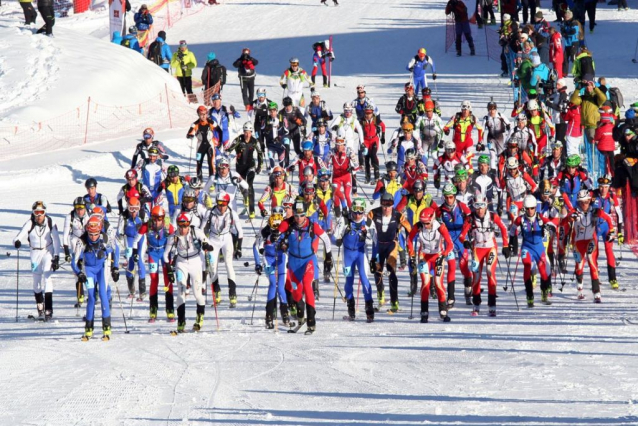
245	65
213	73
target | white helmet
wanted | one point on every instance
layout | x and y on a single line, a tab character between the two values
466	105
347	107
521	117
340	136
529	201
315	94
449	145
584	195
561	83
248	126
532	105
512	163
480	201
261	92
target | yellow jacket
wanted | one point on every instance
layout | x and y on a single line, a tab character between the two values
188	60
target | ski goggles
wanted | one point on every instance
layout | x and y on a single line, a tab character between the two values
480	205
222	166
183	224
222	203
187	200
358	209
80	207
38	213
173	174
148	136
157	218
387	203
309	190
134	208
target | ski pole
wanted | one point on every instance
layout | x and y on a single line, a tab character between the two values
513	287
334	302
358	291
509	274
117	290
17	281
190	156
252	293
255	299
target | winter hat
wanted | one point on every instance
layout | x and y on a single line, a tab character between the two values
536	60
182	43
211	57
523	37
506	17
569	15
539	15
630	114
162	34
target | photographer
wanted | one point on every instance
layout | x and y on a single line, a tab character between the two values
245	65
184	61
143	19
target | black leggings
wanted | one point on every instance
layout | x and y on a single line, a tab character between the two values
204	150
49	19
247	90
529	10
186	83
248	174
371	157
590	8
29	13
390	263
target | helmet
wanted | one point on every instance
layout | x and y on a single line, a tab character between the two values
132	29
532	105
426	91
288	201
307	146
323	174
466	105
79	203
521	117
94	225
369	106
410	154
408	86
491	105
223	162
449	189
299	207
605	180
512	163
98	212
294	60
361	88
158	211
460	174
387	199
278	210
172	171
131	174
480	201
275	220
321	123
584	195
223	198
307	188
261	92
153	151
573	161
347	107
427	216
278	169
273	105
514	140
287	101
148	133
315	94
216	97
419	186
358	205
39	206
340	138
308	170
529	201
90	183
391	166
189	196
248	126
484	159
196	183
428	106
449	146
421	51
557	145
201	109
407	127
133	204
184	220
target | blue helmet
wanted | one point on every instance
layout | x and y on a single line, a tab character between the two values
307	146
323	173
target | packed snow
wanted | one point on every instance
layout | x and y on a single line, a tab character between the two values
571	363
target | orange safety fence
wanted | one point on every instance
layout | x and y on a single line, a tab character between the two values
93	122
165	14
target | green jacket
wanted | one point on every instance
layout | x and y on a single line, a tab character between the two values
589	105
524	74
576	71
188	60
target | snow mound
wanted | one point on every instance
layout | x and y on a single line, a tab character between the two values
42	77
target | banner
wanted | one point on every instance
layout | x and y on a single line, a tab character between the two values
116	17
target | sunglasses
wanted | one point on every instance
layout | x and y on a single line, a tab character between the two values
300	214
158	218
134	209
278	174
223	166
39	213
309	191
188	199
131	179
184	225
387	203
80	206
222	203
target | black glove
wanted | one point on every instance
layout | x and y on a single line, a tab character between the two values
237	254
283	246
81	278
67	254
55	263
412	263
499	211
115	274
259	269
339	242
263	212
382	138
467	244
437	182
440	144
291	168
373	265
362	235
136	256
17	244
207	247
170	272
480	147
284	86
433	76
506	252
328	261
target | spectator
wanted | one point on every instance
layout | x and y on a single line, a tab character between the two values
509	7
117	37
556	51
461	24
529	10
541	29
130	40
143	19
590	98
213	73
30	14
584	67
590	8
570	31
245	65
45	7
159	51
540	74
184	61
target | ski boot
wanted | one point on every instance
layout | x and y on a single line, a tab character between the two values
369	311
218	297
170	315
579	287
467	283
545	297
611	273
181	327
269	322
311	328
336	4
458	53
450	304
530	302
233	301
491	305
251	215
381	298
394	307
199	322
598	298
88	331
534	280
106	329
367	178
476	309
315	289
292	308
48	315
613	284
424	317
472	52
492	311
152	314
351	309
130	281
285	318
443	312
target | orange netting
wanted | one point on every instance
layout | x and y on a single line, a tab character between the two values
165	14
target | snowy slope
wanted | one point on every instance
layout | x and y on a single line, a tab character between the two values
571	363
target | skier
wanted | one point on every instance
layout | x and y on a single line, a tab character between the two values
389	183
461	181
352	233
347	125
133	189
541	125
292	81
372	127
319	58
406	141
92	197
307	159
414	169
342	162
553	164
245	65
93	250
315	111
434	245
605	199
219	225
446	164
245	147
213	73
44	242
407	105
361	101
321	140
153	172
571	180
174	187
452	214
292	124
208	135
148	141
463	123
190	205
275	191
498	128
127	227
535	231
485	182
300	239
385	247
272	133
74	224
260	112
273	264
227	181
417	67
202	197
183	260
430	127
517	185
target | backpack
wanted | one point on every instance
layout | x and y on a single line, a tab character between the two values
126	43
155	53
587	66
49	222
616	97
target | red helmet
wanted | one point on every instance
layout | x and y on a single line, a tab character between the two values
183	220
131	174
408	86
223	198
97	211
94	225
148	133
201	108
427	216
134	204
158	211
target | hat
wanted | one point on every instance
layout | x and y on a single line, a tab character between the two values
215	97
561	83
211	57
569	14
557	145
524	37
162	34
507	17
539	15
143	7
182	43
536	60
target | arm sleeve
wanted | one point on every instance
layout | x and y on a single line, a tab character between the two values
237	225
66	230
324	237
23	232
78	250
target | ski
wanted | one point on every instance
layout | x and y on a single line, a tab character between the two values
308	332
348	318
106	338
628	321
34	318
299	325
177	333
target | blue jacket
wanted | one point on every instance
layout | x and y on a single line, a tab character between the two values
570	31
117	37
134	44
419	66
220	117
540	73
167	55
143	21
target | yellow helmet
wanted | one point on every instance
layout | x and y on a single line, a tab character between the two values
407	126
275	220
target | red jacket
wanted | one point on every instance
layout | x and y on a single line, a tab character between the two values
370	135
603	137
572	117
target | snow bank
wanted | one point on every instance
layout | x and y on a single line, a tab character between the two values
42	77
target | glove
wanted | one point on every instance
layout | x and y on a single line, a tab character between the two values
480	147
411	69
263	212
621	238
467	244
446	131
237	254
433	76
610	238
363	235
373	265
284	86
328	261
81	278
412	263
136	256
499	211
312	89
440	145
55	263
259	269
291	168
339	242
170	272
283	246
506	252
207	247
67	254
115	274
17	244
437	182
382	138
190	136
